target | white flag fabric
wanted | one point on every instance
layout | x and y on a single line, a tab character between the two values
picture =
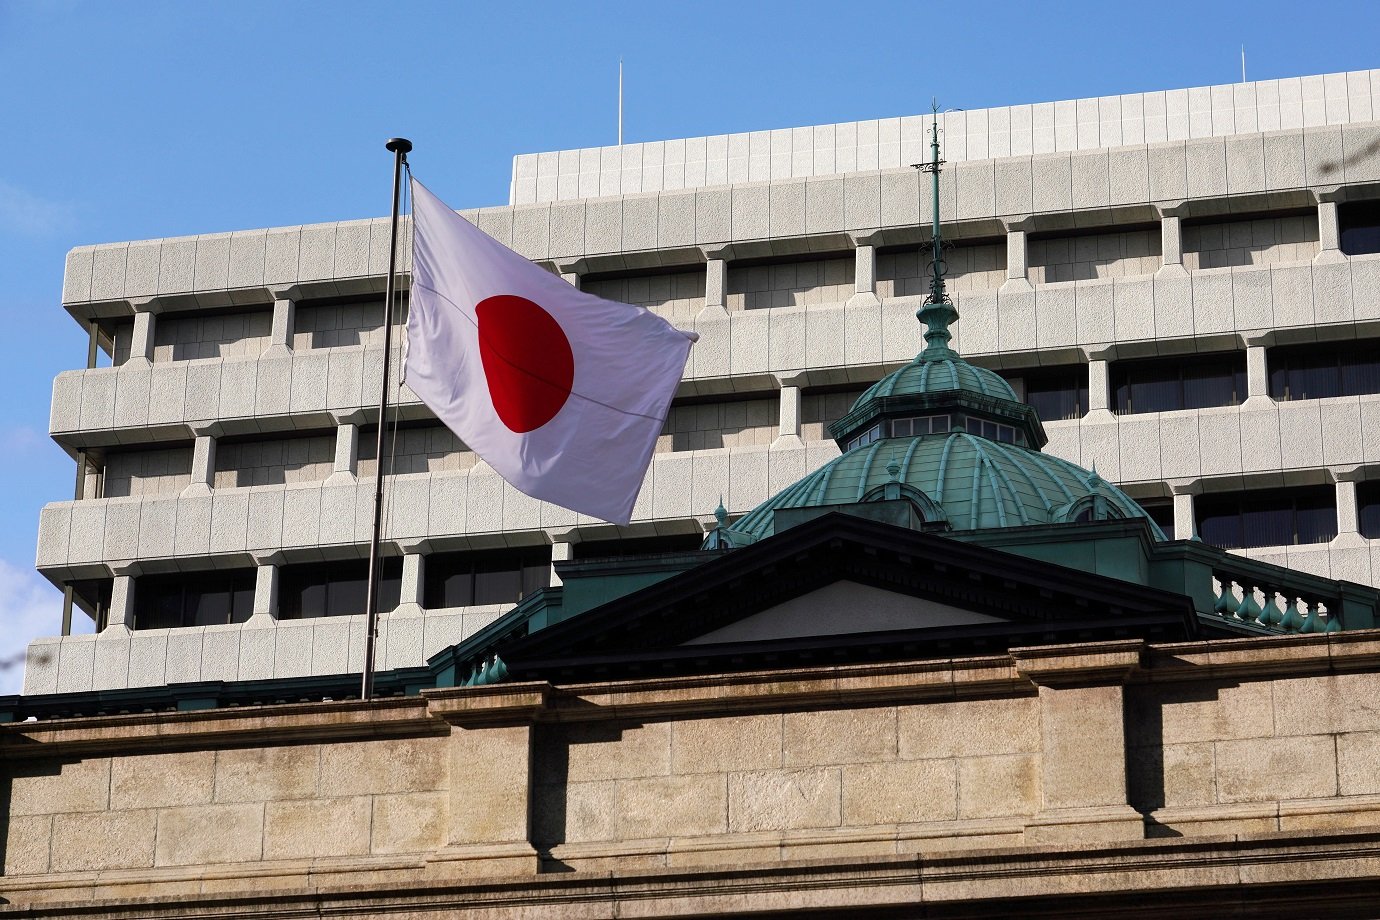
561	392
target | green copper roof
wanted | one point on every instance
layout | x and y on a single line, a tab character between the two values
970	456
976	483
933	373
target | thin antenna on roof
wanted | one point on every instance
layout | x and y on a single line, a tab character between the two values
620	100
1243	63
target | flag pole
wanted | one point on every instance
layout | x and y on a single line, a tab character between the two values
399	147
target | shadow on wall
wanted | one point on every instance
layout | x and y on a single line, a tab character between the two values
1152	766
555	816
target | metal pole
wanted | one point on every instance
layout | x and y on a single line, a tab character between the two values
400	147
620	102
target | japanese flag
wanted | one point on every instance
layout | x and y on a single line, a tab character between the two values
561	392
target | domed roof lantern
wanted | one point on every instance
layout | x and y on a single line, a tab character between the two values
939	391
949	437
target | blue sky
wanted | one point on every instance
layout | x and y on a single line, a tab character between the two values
151	119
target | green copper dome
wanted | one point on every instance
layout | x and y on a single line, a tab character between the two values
939	373
965	480
949	437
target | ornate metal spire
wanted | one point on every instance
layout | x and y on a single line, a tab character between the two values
938	311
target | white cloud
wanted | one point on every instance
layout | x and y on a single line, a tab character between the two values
29	607
22	213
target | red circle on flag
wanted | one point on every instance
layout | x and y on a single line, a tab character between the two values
527	361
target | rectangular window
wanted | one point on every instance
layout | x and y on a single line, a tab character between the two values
1320	370
480	578
1055	393
336	589
867	437
1268	517
1368	508
197	599
924	424
1180	382
1359	223
993	431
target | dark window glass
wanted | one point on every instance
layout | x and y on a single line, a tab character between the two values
1359	222
1269	517
335	589
1323	369
1161	511
867	437
200	599
93	598
637	546
490	577
1181	382
1055	393
1368	508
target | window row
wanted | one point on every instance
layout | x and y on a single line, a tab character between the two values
679	293
1271	517
334	589
330	589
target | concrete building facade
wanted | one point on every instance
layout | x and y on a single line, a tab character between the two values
1183	283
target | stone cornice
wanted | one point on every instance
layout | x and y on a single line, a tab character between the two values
1017	673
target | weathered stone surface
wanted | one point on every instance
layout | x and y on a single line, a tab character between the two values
1186	713
969	728
900	792
103	840
210	834
159	780
409	823
1265	769
47	788
575	812
392	765
602	750
832	736
1326	703
1084	756
27	841
1188	775
782	799
267	774
323	827
731	743
672	806
488	800
999	786
1358	763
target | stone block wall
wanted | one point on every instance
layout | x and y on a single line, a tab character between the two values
1257	241
146	472
803	775
274	462
819	410
334	325
423	449
232	806
971	267
789	284
1095	255
243	334
1109	744
735	423
1255	754
676	295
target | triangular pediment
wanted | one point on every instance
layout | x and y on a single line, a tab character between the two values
841	588
844	607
